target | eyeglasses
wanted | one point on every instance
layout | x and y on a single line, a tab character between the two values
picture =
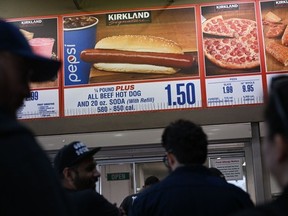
278	83
165	160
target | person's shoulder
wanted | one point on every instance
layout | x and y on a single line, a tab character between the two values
239	191
227	190
219	182
88	196
233	187
130	196
236	189
126	200
151	191
89	200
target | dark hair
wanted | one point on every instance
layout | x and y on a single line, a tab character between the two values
276	110
187	141
151	180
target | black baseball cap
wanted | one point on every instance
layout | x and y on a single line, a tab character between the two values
12	40
72	154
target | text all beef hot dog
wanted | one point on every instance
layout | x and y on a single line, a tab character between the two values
138	54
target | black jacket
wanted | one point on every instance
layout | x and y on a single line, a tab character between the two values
127	203
278	207
87	202
191	191
28	183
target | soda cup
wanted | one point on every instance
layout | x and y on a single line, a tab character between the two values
79	34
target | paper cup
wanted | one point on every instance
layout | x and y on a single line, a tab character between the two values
42	46
79	34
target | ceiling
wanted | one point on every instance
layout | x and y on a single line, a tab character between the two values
141	137
20	8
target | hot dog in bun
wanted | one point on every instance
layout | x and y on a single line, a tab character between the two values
138	54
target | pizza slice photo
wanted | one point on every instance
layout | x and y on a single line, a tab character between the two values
231	43
216	26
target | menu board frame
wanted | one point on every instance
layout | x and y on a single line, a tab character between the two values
173	94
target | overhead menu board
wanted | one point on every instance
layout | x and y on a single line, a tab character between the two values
142	61
231	49
181	57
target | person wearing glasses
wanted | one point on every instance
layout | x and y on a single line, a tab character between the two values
190	188
275	147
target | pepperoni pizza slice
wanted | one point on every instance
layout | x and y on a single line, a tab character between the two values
241	27
239	52
230	53
216	26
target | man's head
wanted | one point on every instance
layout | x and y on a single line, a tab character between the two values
275	148
150	181
185	143
18	66
75	165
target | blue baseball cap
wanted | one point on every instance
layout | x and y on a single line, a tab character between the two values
12	40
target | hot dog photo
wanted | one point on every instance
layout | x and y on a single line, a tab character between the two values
134	45
138	54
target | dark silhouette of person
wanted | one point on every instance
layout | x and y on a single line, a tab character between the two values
128	201
29	185
76	168
275	147
190	188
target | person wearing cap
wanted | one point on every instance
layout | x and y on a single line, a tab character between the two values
275	147
76	168
190	188
128	200
29	185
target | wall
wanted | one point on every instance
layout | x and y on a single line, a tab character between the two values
115	191
19	8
